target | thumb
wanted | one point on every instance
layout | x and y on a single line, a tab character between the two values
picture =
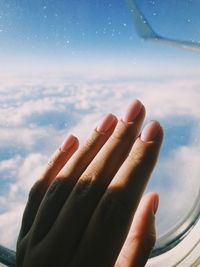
142	234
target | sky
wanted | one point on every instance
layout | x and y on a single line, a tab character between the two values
65	64
49	33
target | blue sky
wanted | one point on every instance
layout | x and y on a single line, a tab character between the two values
46	32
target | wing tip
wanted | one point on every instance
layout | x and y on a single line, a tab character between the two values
142	25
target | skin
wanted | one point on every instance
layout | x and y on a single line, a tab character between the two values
86	209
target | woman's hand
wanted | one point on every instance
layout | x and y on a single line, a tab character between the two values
84	211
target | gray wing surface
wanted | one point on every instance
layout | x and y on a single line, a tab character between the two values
146	32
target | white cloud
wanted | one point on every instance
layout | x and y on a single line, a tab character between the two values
178	185
162	98
82	104
10	225
10	164
27	172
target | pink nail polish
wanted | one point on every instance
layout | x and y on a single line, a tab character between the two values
150	131
68	143
106	123
133	111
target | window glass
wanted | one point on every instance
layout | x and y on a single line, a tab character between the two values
64	64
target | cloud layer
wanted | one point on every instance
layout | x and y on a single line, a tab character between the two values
36	117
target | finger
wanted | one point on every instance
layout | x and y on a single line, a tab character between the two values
109	225
93	182
142	234
58	160
60	189
74	169
37	192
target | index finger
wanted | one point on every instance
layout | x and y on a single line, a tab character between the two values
109	226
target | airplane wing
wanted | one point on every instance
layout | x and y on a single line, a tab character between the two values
146	32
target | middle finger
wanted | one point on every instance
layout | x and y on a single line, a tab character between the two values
76	213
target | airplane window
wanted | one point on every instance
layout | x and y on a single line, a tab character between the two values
64	64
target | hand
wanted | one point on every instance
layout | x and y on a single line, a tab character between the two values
84	211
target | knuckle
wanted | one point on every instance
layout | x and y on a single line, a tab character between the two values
142	158
53	159
137	156
148	240
36	189
121	132
84	186
117	136
54	187
115	208
91	143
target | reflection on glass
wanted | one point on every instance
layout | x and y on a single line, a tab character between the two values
66	63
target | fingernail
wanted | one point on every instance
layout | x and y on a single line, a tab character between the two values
155	204
150	131
132	111
68	143
106	123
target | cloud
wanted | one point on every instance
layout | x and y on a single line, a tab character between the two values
177	182
26	170
10	225
35	117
